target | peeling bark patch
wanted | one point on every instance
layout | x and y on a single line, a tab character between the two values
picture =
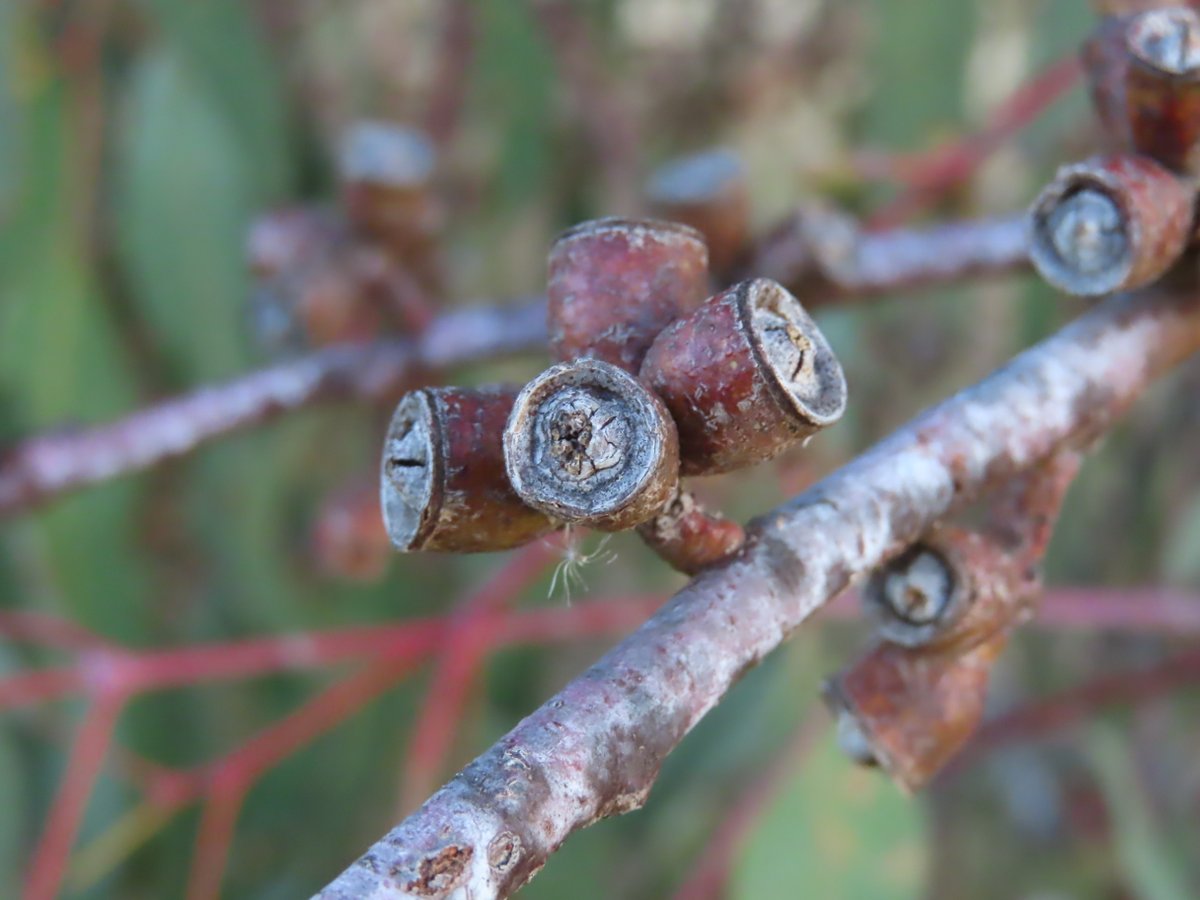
441	872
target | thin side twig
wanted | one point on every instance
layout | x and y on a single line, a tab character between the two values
826	258
595	749
41	468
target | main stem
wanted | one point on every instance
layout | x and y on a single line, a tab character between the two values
595	749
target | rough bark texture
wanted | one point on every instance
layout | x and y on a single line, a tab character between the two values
595	749
43	467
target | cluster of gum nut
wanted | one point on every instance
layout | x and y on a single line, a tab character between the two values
654	379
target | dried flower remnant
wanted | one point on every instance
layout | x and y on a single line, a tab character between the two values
616	283
745	376
1110	223
443	484
588	444
1162	86
707	191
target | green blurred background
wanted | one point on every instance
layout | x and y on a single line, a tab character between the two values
138	140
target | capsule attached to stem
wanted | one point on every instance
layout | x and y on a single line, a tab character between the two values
745	376
614	284
1109	224
588	444
707	191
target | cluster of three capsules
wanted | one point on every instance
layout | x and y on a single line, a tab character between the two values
654	379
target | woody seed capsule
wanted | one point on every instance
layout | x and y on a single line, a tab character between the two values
1162	89
443	484
587	443
707	191
1109	224
745	376
615	283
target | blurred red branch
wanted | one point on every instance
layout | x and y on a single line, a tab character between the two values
931	174
715	860
470	636
1079	703
88	750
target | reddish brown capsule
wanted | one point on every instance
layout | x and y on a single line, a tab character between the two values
707	191
745	376
443	481
387	171
588	444
688	537
909	712
616	283
1109	224
349	540
286	238
951	589
944	610
1162	88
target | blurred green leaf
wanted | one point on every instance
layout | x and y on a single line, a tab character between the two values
1181	554
13	816
918	56
185	195
219	45
1145	859
517	83
834	830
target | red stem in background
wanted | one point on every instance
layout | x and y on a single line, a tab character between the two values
231	777
931	175
470	637
1078	703
83	768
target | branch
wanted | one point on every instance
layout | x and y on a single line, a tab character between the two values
41	468
595	749
824	257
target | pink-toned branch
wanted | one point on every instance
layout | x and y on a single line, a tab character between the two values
825	257
41	468
595	749
66	814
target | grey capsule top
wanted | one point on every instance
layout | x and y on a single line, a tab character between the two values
386	153
792	348
587	443
409	477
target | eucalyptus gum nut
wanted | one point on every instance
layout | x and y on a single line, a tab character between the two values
613	284
911	711
1162	86
709	192
953	588
588	444
1111	223
745	376
443	483
386	172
